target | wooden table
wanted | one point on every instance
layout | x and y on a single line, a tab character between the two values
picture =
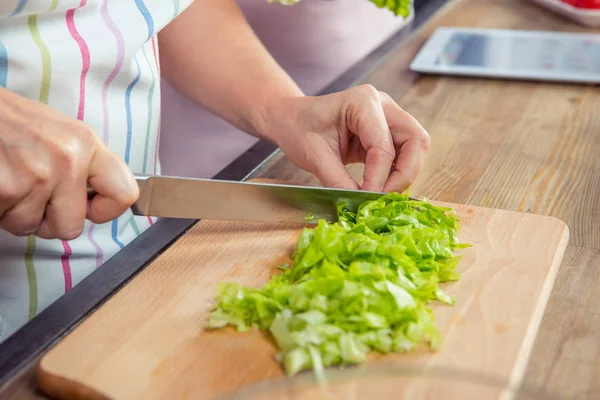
523	146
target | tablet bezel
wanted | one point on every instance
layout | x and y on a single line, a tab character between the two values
424	62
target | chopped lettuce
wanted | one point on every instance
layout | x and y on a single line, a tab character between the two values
398	7
361	284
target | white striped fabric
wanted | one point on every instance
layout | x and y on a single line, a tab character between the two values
95	60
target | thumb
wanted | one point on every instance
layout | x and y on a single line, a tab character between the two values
114	184
332	173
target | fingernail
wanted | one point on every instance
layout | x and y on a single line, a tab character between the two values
74	234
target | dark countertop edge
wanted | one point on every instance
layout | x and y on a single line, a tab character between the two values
24	346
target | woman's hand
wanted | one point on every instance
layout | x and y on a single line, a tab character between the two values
46	162
243	84
322	134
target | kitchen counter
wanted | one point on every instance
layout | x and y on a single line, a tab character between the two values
523	146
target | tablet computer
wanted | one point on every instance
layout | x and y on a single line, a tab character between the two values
511	54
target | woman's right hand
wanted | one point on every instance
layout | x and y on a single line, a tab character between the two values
46	162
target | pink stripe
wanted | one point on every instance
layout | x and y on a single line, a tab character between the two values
66	266
99	252
85	57
120	57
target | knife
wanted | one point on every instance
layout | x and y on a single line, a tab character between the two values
194	198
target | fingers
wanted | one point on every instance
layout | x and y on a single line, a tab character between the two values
25	218
66	209
332	173
46	159
409	162
411	141
366	119
11	191
23	196
114	184
403	126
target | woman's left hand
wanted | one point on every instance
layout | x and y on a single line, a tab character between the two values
322	134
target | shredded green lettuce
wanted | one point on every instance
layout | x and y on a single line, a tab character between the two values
360	285
398	7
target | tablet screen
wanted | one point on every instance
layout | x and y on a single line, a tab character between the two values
514	52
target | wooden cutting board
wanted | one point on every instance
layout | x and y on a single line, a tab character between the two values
147	342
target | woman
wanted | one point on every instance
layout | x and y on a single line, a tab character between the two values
314	41
80	103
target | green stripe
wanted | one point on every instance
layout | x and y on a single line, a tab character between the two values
33	291
135	227
54	5
46	66
44	94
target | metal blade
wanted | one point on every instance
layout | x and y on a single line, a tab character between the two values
173	197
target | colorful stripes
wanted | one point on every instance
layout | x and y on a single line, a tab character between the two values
147	17
150	25
85	58
3	65
43	98
128	110
85	67
131	79
99	252
118	65
66	265
31	277
130	127
19	8
46	62
115	233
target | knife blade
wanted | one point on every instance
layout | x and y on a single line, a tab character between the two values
195	198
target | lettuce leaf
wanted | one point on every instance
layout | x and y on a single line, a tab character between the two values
360	285
398	7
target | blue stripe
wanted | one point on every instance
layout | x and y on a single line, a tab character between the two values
115	226
150	24
128	109
3	65
146	14
19	8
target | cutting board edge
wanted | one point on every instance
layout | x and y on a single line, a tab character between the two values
524	354
60	387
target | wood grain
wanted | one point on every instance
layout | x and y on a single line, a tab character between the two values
148	340
567	349
523	146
